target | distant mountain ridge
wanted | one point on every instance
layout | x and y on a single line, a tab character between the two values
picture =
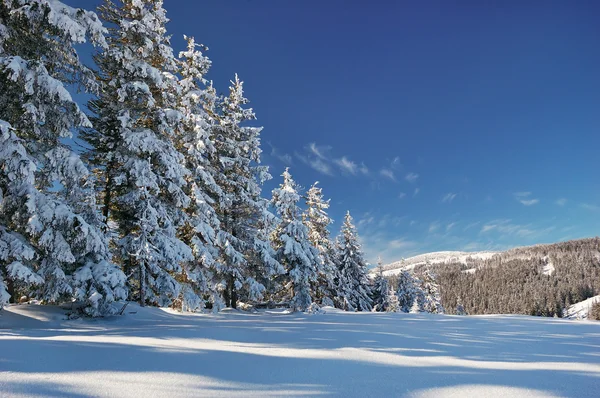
536	280
434	258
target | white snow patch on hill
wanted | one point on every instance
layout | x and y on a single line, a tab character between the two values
581	310
548	269
434	258
151	352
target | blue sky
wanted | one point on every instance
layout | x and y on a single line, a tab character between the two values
464	126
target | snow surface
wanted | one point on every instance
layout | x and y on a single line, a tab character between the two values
581	310
152	352
548	269
434	258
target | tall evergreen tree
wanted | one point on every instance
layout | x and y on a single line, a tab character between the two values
393	302
48	219
380	289
245	254
354	283
318	221
432	299
407	291
133	148
196	103
292	244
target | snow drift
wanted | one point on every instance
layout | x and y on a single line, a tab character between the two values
154	352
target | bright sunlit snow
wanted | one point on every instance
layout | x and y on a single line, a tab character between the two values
153	352
581	310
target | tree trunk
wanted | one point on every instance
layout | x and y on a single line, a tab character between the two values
142	284
107	196
10	287
230	295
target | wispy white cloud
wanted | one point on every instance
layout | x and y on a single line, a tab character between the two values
319	151
450	226
522	197
434	226
395	164
349	167
471	225
401	244
316	163
590	207
346	165
561	201
319	158
529	202
388	173
416	192
363	169
522	194
411	177
389	248
506	228
366	220
449	197
401	195
488	227
285	158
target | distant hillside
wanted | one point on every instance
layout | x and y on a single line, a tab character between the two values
535	280
582	309
434	258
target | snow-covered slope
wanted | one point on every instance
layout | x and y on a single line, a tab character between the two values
581	310
434	258
150	352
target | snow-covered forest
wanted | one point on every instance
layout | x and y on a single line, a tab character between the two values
542	280
164	205
140	252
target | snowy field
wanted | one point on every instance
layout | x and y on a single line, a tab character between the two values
151	352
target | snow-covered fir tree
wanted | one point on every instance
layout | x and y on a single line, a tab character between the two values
416	307
142	174
380	289
393	302
50	243
293	246
245	255
407	291
318	221
196	103
354	285
432	300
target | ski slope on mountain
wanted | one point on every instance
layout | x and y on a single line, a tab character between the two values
434	258
152	352
581	310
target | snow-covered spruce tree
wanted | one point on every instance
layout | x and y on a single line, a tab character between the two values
246	259
317	221
380	289
407	291
196	104
354	282
432	301
142	174
293	247
393	302
49	235
416	307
